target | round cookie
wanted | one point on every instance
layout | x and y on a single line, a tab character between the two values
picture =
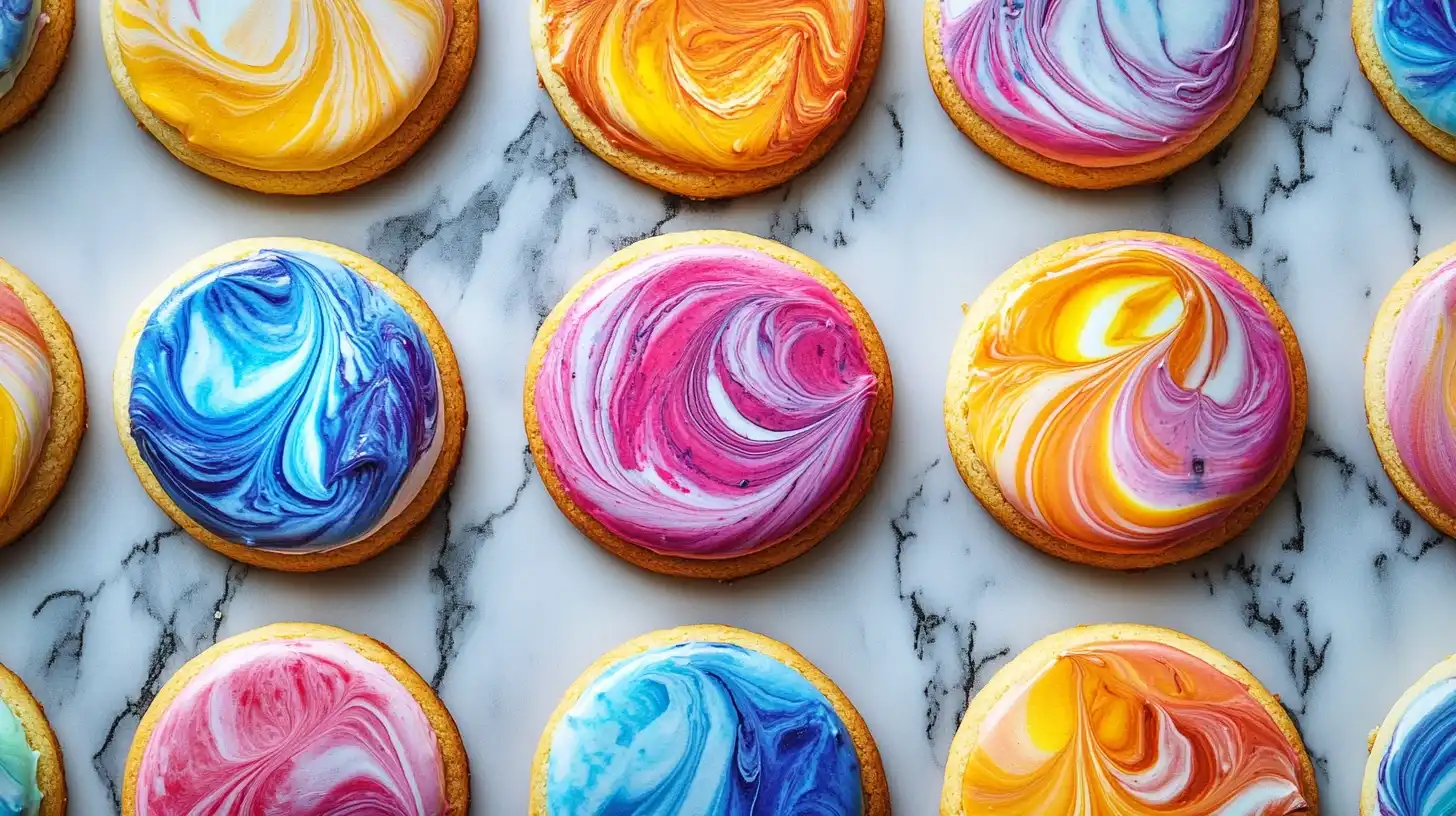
708	100
291	404
217	85
1406	382
35	36
32	775
708	404
42	403
1410	771
297	716
1405	49
706	719
1123	718
1097	94
1126	399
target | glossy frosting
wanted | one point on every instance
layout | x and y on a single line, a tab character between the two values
1099	83
26	391
19	795
303	727
1420	382
20	24
705	402
285	402
706	728
1417	775
1130	396
283	84
1417	40
1131	727
708	85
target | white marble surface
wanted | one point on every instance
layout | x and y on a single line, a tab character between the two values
1338	599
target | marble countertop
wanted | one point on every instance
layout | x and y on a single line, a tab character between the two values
1336	598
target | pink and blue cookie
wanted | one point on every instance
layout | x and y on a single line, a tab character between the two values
708	404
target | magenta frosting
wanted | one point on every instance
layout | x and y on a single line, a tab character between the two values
1419	386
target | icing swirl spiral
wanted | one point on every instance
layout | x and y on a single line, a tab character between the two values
283	85
19	795
285	402
26	391
1099	83
708	85
1420	376
20	24
1417	40
706	401
1129	395
1417	774
1131	727
306	727
702	728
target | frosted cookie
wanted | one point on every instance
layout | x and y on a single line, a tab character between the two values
708	404
297	718
32	775
1126	399
708	99
1122	718
1406	50
291	404
706	720
300	97
42	403
35	36
1412	766
1099	93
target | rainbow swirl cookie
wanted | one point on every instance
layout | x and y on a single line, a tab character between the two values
35	36
298	97
1099	93
1126	719
295	719
291	404
1126	399
1407	50
708	404
32	775
706	719
708	98
1412	766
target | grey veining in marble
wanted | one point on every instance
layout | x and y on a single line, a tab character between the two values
1338	598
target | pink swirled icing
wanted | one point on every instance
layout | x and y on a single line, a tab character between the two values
1099	83
706	401
1420	386
303	727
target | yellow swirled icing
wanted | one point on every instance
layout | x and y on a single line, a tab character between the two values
25	395
283	85
708	85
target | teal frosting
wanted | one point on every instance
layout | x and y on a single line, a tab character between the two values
19	795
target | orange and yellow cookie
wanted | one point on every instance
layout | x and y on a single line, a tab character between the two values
35	36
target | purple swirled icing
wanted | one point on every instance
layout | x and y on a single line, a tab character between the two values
1419	377
706	402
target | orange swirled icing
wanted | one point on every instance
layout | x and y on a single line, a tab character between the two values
283	85
708	85
1131	727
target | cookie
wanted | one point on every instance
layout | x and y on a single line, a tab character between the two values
1123	718
42	403
1406	382
32	775
706	719
1405	48
35	36
1410	772
1126	399
291	404
708	404
297	717
292	98
1097	94
708	100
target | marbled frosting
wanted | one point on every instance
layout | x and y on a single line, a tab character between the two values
1417	40
26	391
20	24
1420	375
19	795
1417	775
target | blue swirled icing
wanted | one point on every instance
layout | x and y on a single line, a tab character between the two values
702	728
283	401
1417	41
17	26
1418	772
19	795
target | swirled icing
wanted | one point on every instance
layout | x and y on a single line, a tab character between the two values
20	24
708	85
26	391
1130	396
1417	40
285	402
1417	773
19	795
702	728
1420	377
705	401
1099	83
283	85
305	727
1131	727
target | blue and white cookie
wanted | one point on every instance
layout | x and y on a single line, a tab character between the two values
1407	50
32	774
1412	766
35	36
